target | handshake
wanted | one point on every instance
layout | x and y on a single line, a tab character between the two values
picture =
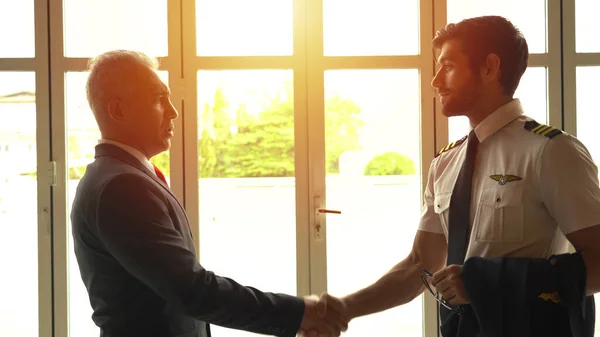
326	316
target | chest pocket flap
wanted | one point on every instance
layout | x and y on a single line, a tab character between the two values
499	215
441	203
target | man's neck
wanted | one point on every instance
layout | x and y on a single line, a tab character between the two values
125	142
486	108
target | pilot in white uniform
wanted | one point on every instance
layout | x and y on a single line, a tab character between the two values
532	185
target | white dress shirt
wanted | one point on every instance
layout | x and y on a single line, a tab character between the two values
531	187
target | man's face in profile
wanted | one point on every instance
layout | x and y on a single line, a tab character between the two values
149	113
457	85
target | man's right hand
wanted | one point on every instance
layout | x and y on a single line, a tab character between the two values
323	317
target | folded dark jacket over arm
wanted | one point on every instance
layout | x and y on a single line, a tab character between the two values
527	297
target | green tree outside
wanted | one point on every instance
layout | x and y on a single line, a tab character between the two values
161	160
262	145
390	163
342	117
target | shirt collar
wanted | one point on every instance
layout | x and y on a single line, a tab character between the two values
132	151
499	119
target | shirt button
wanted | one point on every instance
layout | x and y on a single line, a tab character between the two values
498	199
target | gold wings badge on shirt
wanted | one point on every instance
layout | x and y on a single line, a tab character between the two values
502	179
554	297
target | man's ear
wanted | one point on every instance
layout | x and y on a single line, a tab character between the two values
115	110
490	71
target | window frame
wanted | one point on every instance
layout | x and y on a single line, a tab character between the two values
308	65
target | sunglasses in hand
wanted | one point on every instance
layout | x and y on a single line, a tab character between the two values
425	276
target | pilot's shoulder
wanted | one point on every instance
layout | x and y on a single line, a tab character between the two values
451	146
541	129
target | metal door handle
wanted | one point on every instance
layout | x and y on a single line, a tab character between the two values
332	211
318	218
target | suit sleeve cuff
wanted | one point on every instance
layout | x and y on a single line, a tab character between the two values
290	318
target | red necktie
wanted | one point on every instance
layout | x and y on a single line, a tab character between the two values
160	175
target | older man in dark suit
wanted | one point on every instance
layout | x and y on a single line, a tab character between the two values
132	238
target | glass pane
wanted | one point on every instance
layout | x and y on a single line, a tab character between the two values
244	28
373	27
373	178
587	109
529	16
587	121
17	28
96	26
533	93
18	219
83	136
586	25
246	164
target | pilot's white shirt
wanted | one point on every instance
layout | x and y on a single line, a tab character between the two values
532	185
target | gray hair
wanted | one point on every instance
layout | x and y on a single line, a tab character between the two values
107	72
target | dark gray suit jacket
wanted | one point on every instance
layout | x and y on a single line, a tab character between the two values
137	260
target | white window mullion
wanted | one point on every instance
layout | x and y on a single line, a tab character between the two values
554	72
569	67
59	155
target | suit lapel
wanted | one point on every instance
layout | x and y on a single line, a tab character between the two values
103	150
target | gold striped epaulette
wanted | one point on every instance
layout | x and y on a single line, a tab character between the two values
451	146
542	129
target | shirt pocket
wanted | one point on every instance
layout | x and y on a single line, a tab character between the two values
499	215
441	204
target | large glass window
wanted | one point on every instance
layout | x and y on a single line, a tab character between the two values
244	28
367	28
18	205
373	177
586	26
96	26
247	178
17	28
256	163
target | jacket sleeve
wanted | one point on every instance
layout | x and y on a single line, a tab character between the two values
134	224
